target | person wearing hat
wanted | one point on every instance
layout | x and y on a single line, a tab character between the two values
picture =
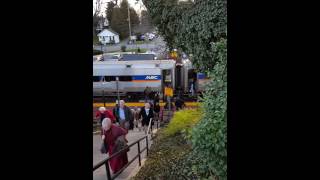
104	113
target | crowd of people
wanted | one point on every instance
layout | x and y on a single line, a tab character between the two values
116	124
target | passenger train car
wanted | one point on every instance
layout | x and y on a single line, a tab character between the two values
135	76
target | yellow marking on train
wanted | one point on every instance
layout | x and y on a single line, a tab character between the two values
139	104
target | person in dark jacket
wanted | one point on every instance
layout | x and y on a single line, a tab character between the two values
114	110
124	115
166	106
156	110
147	114
179	103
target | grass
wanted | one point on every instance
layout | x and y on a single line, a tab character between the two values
143	42
136	50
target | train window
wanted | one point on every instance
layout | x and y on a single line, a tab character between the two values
97	78
125	78
110	78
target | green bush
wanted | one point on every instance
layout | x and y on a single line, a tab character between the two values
167	159
183	121
123	48
209	136
97	52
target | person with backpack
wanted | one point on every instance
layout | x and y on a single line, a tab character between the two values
114	139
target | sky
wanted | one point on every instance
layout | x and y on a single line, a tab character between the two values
138	7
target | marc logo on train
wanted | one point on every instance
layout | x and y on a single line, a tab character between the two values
151	77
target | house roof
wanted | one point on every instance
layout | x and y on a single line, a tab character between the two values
110	30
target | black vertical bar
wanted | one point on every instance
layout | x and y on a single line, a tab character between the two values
147	145
139	153
108	170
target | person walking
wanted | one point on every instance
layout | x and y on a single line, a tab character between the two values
111	134
124	115
156	110
103	113
146	93
179	103
114	111
147	114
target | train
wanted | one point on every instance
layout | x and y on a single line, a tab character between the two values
129	78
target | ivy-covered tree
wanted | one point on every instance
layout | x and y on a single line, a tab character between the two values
199	28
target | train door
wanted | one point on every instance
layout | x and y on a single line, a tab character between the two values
167	80
179	80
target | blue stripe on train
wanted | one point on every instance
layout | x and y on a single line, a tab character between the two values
201	76
148	77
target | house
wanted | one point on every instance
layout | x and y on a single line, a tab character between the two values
108	36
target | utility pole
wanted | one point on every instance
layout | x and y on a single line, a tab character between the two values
129	22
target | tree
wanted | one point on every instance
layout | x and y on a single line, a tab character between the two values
118	23
96	15
109	10
146	20
134	18
119	19
200	28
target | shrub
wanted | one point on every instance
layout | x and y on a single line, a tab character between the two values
183	121
97	52
123	48
167	159
209	136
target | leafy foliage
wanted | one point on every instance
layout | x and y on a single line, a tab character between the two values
184	25
123	48
199	29
183	121
119	19
97	52
167	159
109	9
209	137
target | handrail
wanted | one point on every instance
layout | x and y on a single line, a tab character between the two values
98	165
105	161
